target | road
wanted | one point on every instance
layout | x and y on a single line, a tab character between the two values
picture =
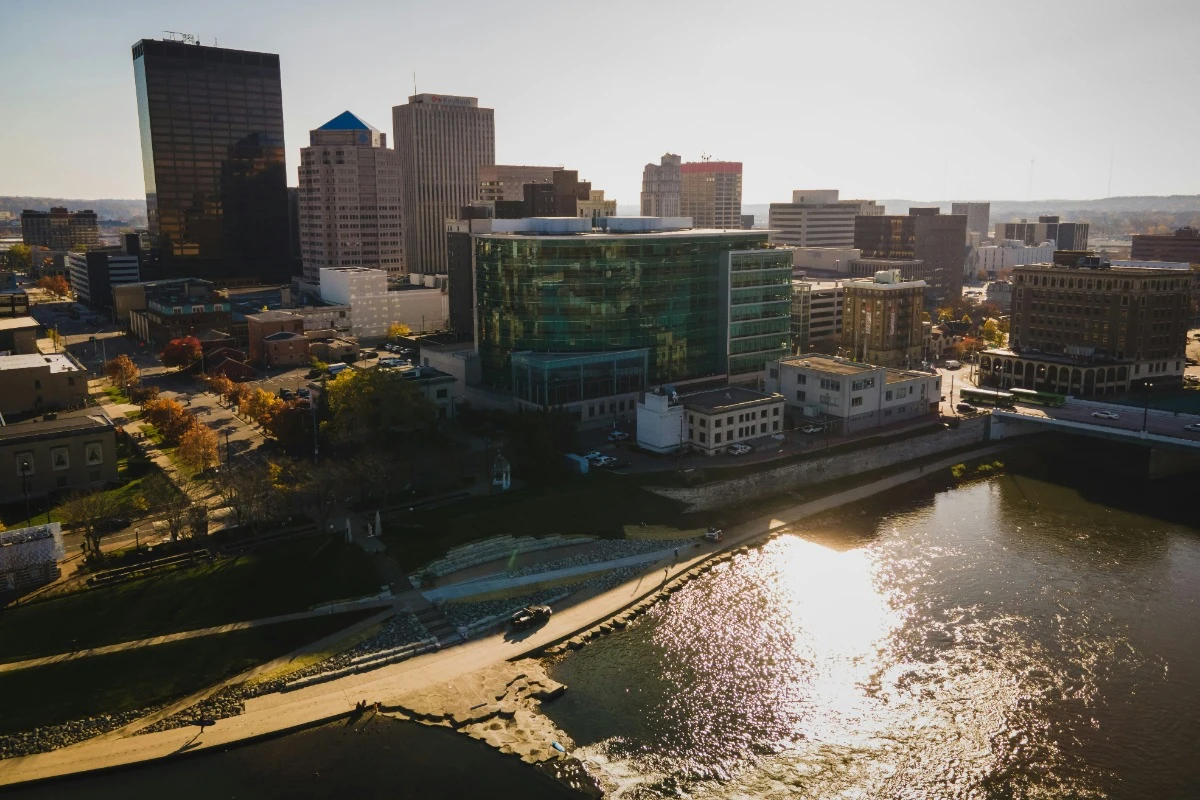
1163	423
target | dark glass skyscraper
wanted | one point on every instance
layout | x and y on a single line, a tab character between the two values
212	152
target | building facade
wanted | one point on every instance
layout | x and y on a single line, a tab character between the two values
507	181
709	421
442	142
18	336
989	260
979	216
882	320
801	311
60	229
662	187
844	396
374	306
823	260
596	206
554	286
349	199
29	558
94	274
939	240
758	289
36	383
1183	245
1093	329
711	194
174	309
259	327
817	218
1064	235
59	455
827	305
211	123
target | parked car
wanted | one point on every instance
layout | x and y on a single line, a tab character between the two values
953	364
593	455
615	463
286	394
739	449
965	408
714	534
618	436
303	392
604	461
811	429
1194	427
1104	415
530	616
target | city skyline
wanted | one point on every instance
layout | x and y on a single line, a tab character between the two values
960	135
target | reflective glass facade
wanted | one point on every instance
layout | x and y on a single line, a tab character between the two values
760	309
603	292
211	123
557	380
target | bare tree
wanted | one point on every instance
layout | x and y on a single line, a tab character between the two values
89	511
169	503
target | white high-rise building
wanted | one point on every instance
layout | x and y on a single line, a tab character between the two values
817	218
442	141
349	199
979	216
662	187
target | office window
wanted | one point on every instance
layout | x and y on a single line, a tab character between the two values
775	411
856	401
799	395
716	438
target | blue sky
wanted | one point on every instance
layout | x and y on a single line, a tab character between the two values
922	100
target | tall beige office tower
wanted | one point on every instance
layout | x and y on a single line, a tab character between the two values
349	199
442	142
712	194
662	187
817	218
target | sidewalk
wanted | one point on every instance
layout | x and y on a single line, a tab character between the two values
284	712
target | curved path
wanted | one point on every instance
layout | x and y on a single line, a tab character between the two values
281	712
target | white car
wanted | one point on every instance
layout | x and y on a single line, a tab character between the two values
618	436
603	461
594	455
739	449
811	429
1104	415
1194	427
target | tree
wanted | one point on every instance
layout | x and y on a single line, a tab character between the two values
237	394
366	404
168	502
170	418
218	384
121	371
991	332
319	491
89	511
198	446
261	406
143	395
181	352
55	285
537	441
398	330
19	258
290	424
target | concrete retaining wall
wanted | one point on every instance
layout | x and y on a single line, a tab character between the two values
488	550
735	491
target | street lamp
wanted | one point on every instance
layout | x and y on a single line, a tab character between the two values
1146	411
25	470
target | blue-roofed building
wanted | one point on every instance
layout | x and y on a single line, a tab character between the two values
349	197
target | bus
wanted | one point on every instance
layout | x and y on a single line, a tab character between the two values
987	397
1039	398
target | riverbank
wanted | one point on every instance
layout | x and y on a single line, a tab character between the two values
273	714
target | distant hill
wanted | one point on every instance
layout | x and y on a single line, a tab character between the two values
132	211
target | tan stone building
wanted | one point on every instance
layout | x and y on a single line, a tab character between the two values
36	383
18	336
59	455
711	194
881	321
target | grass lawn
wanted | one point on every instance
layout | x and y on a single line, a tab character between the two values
290	577
124	681
601	504
115	394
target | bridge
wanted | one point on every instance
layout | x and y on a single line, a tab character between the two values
1173	449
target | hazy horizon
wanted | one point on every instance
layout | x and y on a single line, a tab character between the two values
879	100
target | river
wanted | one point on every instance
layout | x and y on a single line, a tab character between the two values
1006	638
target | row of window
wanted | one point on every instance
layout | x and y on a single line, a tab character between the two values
730	436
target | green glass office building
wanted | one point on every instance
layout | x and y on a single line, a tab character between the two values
667	292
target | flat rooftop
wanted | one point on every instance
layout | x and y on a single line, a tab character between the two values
18	324
902	375
52	427
689	233
57	362
830	364
725	397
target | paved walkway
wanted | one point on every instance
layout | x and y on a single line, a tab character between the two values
333	608
283	712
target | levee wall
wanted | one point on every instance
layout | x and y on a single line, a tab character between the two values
722	494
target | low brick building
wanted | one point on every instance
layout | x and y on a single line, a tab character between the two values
18	336
259	327
284	349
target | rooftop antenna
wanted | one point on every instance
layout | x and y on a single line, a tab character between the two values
414	81
186	38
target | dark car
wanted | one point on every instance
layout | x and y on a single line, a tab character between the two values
286	394
966	408
113	524
615	463
530	616
303	392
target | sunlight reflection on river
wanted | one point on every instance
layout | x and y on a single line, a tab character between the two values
946	651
